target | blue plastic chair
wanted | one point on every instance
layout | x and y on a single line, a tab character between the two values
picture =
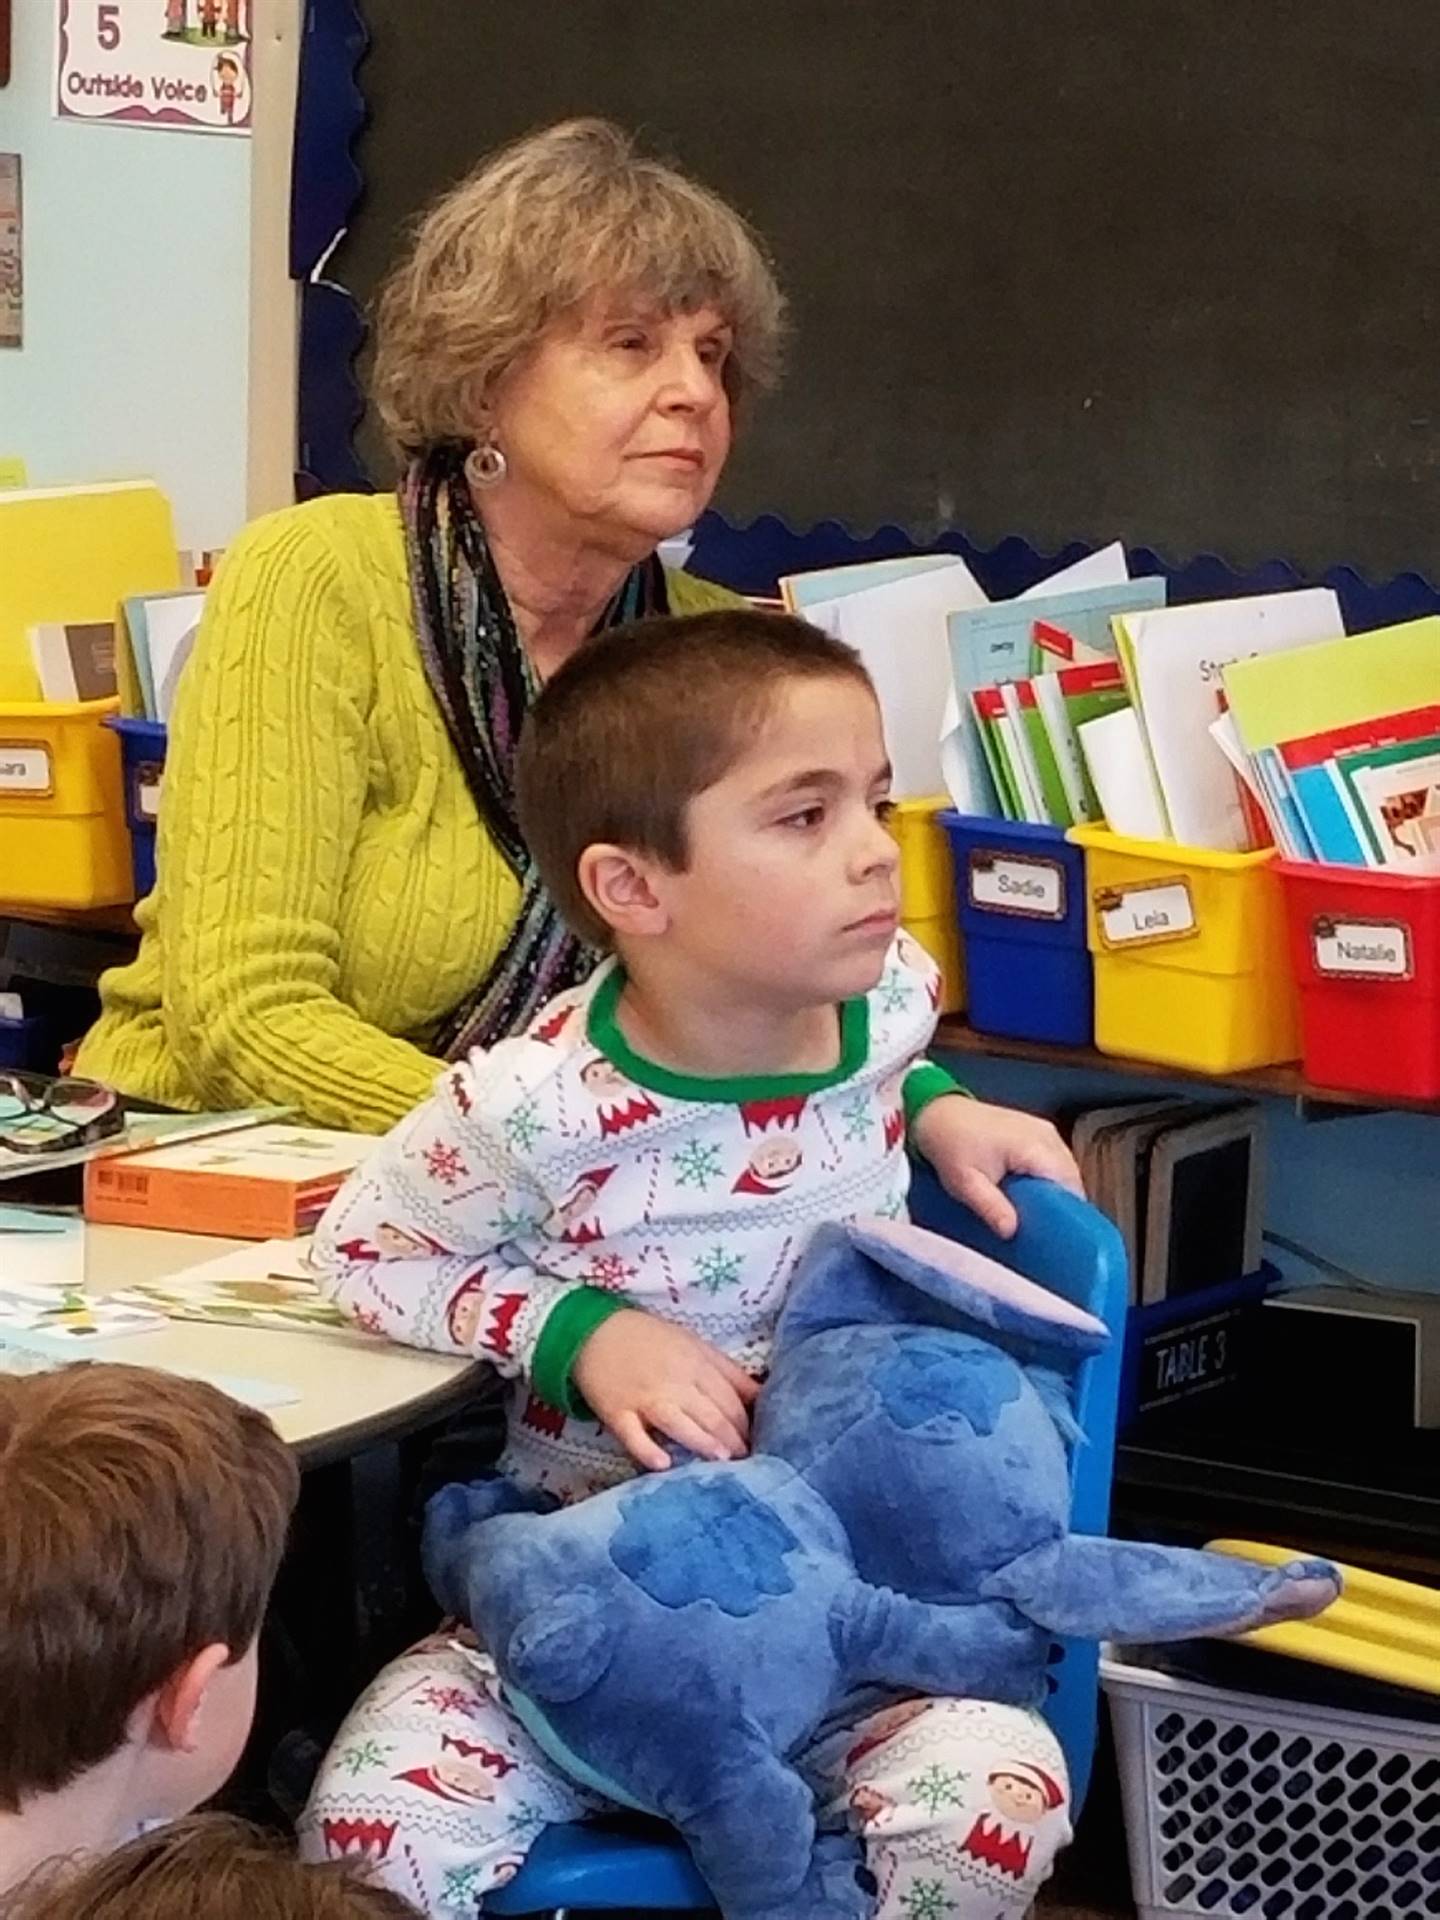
1065	1244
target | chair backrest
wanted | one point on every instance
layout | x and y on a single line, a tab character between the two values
1070	1247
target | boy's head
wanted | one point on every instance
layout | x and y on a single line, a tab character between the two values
142	1520
211	1866
717	785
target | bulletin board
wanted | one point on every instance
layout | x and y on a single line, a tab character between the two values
1067	269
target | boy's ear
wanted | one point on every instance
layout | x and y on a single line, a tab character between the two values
620	887
174	1711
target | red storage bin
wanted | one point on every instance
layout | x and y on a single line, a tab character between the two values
1366	951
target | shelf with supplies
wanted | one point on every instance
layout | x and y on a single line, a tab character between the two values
956	1035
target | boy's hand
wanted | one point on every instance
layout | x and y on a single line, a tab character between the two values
644	1376
972	1146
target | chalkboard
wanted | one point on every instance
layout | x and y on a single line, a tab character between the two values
1068	269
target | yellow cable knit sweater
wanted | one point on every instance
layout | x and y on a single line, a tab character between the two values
327	890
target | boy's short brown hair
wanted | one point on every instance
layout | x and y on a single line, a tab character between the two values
142	1519
210	1865
639	721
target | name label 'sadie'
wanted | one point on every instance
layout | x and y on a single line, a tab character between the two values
1017	884
1362	949
1139	916
25	768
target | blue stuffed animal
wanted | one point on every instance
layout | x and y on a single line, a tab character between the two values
900	1523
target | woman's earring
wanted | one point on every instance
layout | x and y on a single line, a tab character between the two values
486	465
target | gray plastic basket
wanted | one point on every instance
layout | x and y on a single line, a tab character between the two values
1240	1805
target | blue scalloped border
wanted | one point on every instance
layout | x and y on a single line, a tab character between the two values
326	187
751	557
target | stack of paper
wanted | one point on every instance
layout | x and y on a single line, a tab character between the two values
1173	661
893	613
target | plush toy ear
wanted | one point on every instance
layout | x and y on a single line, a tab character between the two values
887	1272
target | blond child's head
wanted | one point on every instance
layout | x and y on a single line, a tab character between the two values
142	1520
713	789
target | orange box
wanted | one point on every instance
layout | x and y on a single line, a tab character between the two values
269	1183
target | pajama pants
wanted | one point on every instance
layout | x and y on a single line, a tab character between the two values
961	1805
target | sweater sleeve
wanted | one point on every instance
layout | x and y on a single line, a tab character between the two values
429	1240
264	794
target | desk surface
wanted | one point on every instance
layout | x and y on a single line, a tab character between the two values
354	1391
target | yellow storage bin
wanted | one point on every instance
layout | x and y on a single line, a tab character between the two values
1192	968
63	839
928	909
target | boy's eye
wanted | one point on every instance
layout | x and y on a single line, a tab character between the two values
884	810
804	817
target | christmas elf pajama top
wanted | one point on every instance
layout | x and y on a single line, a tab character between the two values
560	1177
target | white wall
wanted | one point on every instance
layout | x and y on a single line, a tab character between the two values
137	268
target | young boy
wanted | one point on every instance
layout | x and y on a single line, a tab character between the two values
142	1519
611	1205
210	1866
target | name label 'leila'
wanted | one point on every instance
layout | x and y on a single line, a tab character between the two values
1140	916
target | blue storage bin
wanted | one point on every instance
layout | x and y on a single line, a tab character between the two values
29	1042
142	753
1021	894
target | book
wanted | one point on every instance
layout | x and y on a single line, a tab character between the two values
1396	790
162	629
74	553
1173	660
1011	725
801	591
1068	698
988	707
141	1130
272	1184
63	1320
899	631
75	659
1054	793
1361	676
1205	1206
1326	803
280	1301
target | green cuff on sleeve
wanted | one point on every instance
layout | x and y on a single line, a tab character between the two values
570	1323
926	1082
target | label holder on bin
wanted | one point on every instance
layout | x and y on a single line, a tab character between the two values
1354	948
1148	914
1024	884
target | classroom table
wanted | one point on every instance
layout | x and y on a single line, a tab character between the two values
355	1391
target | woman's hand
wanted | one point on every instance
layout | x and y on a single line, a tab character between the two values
973	1146
643	1376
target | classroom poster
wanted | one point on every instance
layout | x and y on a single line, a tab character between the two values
11	330
182	64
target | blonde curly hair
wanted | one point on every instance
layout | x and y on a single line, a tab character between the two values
539	229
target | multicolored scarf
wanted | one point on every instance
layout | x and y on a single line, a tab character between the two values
483	683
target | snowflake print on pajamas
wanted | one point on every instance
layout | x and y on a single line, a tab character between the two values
610	1270
443	1163
718	1269
926	1900
523	1125
363	1755
856	1115
938	1787
697	1163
